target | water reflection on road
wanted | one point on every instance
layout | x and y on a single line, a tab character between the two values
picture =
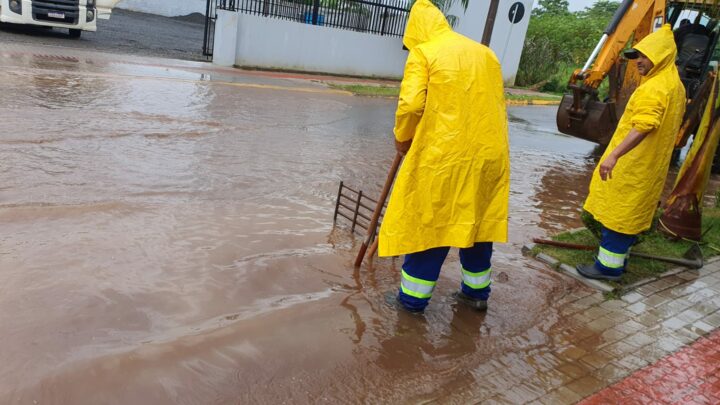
168	238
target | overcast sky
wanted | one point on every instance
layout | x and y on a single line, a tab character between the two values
576	5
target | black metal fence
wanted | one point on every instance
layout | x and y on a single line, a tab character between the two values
383	17
209	32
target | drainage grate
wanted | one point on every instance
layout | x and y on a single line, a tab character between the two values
356	207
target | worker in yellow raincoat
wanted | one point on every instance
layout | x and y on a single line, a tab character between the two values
626	185
453	187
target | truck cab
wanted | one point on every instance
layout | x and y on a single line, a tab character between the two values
75	15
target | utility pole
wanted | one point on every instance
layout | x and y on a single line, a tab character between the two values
490	22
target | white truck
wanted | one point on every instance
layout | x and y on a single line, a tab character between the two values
75	15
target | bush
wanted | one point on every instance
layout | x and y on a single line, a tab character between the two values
558	42
558	81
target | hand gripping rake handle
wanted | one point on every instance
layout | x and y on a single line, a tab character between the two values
378	209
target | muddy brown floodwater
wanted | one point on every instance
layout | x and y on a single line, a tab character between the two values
167	238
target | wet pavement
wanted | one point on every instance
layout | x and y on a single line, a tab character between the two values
168	239
126	32
688	376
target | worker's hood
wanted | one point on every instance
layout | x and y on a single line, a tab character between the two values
660	48
425	23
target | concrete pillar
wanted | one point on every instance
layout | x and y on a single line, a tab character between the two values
226	38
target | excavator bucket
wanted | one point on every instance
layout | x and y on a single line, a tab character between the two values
588	119
683	219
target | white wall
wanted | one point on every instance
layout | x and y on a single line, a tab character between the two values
168	8
226	31
507	39
279	44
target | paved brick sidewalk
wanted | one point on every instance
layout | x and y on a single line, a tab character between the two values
689	376
597	343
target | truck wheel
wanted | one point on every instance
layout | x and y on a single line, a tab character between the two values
75	33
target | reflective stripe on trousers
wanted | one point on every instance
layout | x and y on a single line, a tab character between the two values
416	287
611	260
476	280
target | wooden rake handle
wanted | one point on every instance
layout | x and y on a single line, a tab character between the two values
378	209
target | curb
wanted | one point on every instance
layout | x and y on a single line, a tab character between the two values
566	269
672	272
599	285
532	102
512	103
339	85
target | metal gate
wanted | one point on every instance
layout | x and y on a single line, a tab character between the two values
209	37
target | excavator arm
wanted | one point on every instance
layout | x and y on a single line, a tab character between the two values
633	20
582	114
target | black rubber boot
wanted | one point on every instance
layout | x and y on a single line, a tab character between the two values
473	303
592	271
391	299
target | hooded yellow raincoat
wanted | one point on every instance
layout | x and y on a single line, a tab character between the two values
627	202
453	187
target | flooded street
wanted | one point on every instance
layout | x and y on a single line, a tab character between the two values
168	239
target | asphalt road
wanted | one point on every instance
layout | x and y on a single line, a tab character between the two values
126	32
189	209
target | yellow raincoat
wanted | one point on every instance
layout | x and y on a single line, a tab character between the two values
627	202
453	187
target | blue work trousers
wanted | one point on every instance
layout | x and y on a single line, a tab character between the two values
424	269
613	252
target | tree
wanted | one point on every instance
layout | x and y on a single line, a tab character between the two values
602	8
445	6
559	41
552	7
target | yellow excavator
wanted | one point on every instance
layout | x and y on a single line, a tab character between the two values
582	114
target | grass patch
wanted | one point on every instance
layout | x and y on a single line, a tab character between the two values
528	97
651	242
394	91
368	90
